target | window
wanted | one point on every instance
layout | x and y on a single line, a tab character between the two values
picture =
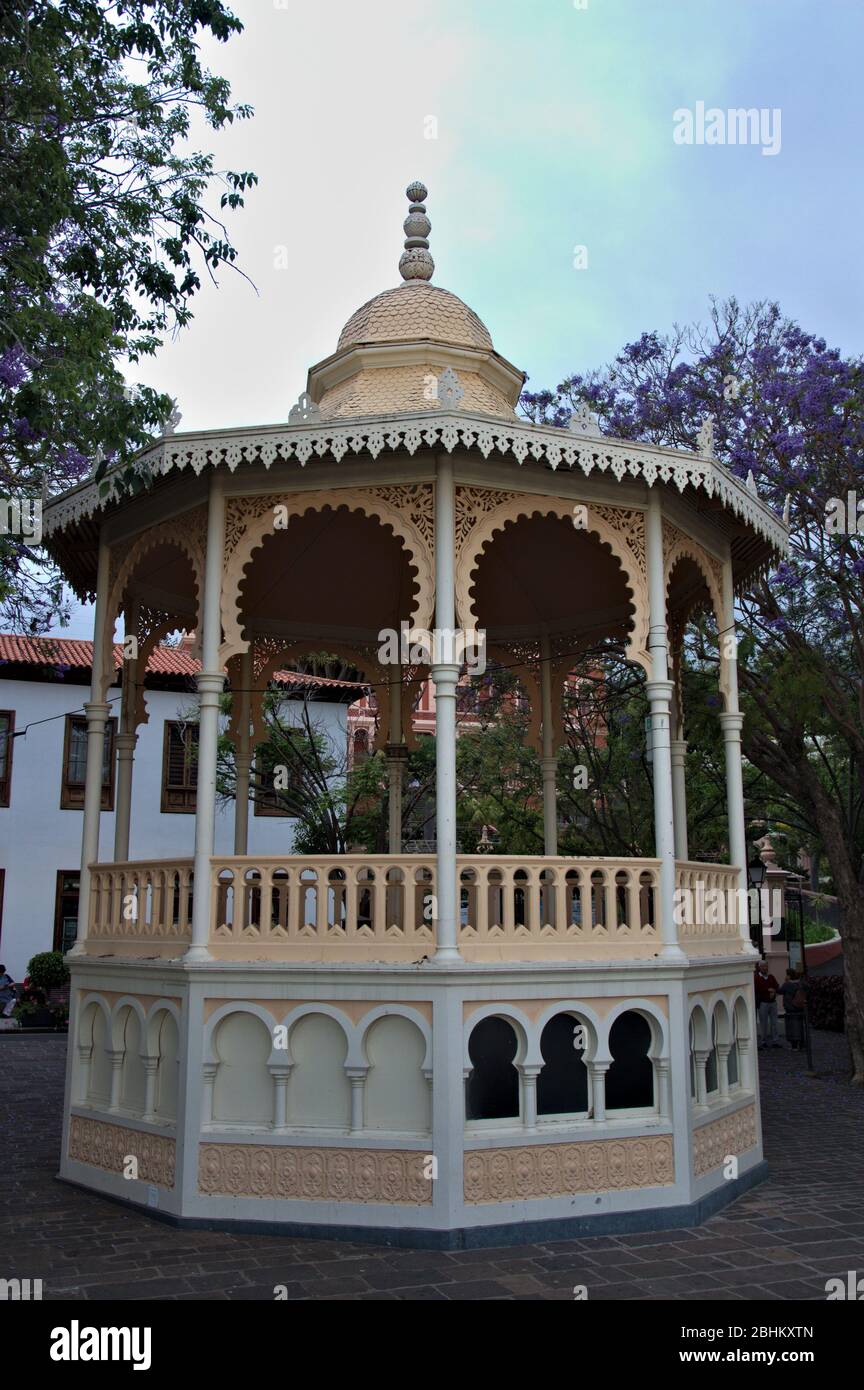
275	784
179	767
66	909
361	746
7	729
75	764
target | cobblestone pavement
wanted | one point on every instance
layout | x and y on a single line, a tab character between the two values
780	1241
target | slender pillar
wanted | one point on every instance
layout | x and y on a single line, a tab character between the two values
598	1089
210	681
659	689
678	750
126	741
151	1070
701	1055
243	756
445	675
732	722
396	754
723	1050
280	1076
97	717
549	761
208	1079
664	1100
529	1094
116	1056
357	1077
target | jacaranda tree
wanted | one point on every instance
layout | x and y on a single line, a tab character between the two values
787	408
105	234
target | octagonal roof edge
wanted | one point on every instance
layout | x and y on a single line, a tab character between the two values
448	430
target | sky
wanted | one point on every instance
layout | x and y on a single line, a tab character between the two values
563	208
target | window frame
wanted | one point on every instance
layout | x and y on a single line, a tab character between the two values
6	779
72	793
187	794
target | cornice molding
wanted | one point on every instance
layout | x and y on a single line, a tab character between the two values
372	436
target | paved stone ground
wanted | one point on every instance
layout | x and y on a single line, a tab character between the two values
780	1241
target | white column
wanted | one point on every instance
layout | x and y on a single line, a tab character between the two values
723	1050
548	761
151	1069
97	717
529	1095
659	689
357	1078
445	674
598	1089
678	750
243	756
211	681
396	753
125	761
732	722
664	1101
126	741
701	1055
208	1079
280	1076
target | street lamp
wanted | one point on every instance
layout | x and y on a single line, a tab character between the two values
755	879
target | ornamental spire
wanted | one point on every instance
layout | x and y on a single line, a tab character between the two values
416	263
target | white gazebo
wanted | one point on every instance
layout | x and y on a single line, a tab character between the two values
430	1048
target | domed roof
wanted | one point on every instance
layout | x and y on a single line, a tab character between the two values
415	310
394	349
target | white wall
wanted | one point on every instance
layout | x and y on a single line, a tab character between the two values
37	839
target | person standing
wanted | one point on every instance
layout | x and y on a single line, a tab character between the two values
8	997
766	1002
794	994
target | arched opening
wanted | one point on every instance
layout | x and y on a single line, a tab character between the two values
630	1078
168	1068
133	1077
95	1039
492	1087
712	1075
397	1096
275	594
319	1092
562	1084
242	1089
544	569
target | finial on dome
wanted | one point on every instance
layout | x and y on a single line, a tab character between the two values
416	263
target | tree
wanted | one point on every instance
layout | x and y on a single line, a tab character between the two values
104	235
302	772
788	409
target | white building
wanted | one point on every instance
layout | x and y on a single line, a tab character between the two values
43	685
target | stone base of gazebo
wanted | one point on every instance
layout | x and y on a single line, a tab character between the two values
418	1104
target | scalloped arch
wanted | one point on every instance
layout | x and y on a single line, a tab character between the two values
531	683
291	651
525	505
177	534
297	504
683	547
